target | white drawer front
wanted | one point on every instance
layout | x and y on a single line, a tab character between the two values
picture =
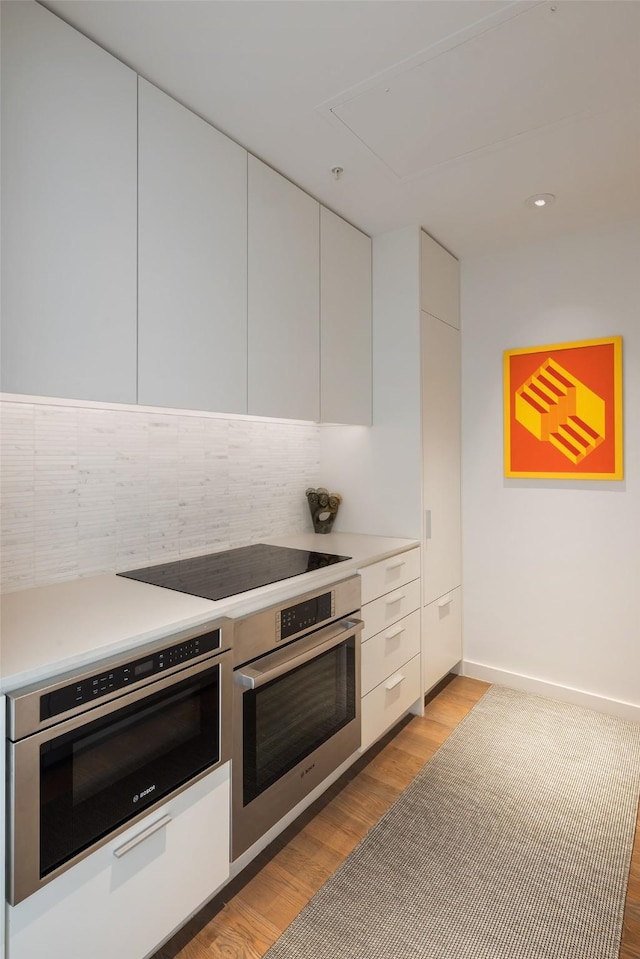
442	637
388	702
390	608
387	651
388	574
124	906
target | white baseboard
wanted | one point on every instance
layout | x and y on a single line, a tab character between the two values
612	707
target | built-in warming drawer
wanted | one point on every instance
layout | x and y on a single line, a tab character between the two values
389	701
388	650
388	609
389	574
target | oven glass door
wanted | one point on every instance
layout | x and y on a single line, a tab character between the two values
286	719
105	772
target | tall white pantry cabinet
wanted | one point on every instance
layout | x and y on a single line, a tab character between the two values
441	442
402	476
416	452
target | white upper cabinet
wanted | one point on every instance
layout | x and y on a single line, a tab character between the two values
345	322
147	259
69	212
440	287
283	307
192	249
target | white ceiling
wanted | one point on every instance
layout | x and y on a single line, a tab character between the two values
446	113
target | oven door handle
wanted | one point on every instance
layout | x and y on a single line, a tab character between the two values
278	663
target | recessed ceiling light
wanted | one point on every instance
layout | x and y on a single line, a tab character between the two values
540	200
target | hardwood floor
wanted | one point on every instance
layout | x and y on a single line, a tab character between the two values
250	913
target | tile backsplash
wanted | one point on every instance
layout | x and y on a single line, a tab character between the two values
89	490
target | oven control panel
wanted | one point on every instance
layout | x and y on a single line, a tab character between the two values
110	680
304	615
271	628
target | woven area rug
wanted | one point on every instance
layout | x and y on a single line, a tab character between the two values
514	840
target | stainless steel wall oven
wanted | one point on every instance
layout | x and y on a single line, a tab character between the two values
92	752
296	704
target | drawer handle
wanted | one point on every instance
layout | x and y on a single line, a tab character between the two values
394	682
445	601
395	599
397	632
399	565
149	831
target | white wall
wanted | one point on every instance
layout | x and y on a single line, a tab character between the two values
91	489
551	568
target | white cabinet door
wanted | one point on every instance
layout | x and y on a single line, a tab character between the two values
441	637
192	247
345	322
3	819
69	212
442	563
123	907
440	282
387	703
284	268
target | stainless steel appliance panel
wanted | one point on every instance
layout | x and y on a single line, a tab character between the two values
296	714
79	782
261	632
24	714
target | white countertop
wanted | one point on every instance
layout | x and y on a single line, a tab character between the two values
50	629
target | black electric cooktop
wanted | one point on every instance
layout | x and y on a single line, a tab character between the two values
233	571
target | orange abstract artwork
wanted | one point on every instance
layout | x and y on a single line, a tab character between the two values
563	410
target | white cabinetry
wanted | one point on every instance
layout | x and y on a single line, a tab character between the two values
284	292
441	442
440	282
442	630
409	463
146	259
442	562
68	212
3	818
391	676
125	906
192	249
345	322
